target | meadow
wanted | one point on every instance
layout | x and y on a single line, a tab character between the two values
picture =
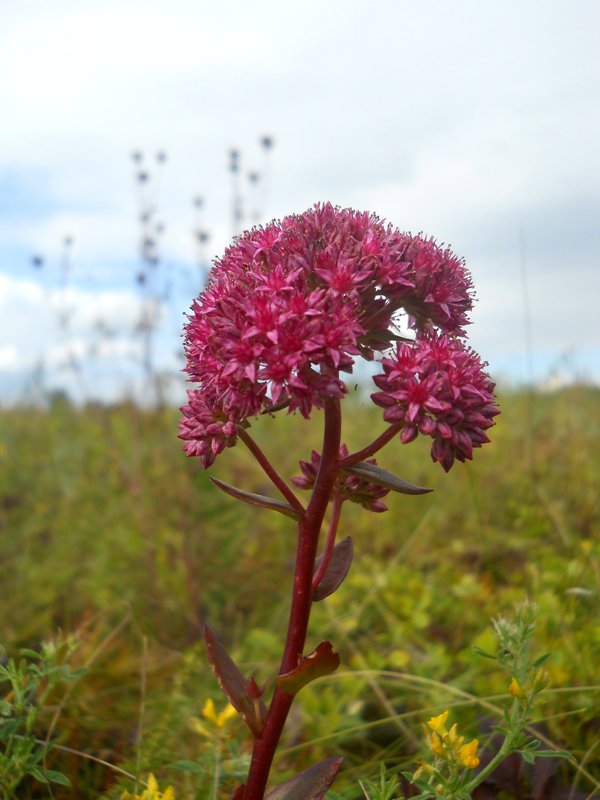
118	549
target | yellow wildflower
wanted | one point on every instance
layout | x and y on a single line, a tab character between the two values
219	720
515	689
438	724
452	739
151	792
439	734
447	744
436	743
467	754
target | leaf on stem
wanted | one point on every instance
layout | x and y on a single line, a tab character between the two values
239	792
380	476
322	661
257	499
310	784
243	694
341	558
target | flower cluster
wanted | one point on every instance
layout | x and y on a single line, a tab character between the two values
438	387
218	719
152	792
290	306
206	430
448	745
353	488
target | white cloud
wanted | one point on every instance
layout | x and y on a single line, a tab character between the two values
9	358
101	327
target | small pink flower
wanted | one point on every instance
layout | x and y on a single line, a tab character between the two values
206	431
438	387
443	290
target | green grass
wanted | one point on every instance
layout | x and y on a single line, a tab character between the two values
106	530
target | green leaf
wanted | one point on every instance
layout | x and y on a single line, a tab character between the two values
382	477
78	673
553	754
57	777
188	766
479	652
527	756
310	784
38	774
257	499
322	661
539	661
533	744
341	559
30	654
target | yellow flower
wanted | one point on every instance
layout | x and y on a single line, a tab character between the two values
452	739
439	734
436	743
219	720
515	689
151	792
438	724
467	754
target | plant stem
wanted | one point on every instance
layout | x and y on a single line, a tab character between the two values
309	528
372	448
507	747
270	470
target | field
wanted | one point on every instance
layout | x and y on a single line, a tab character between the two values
119	549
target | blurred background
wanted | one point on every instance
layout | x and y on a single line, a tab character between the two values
138	137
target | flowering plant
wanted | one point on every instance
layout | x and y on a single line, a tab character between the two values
287	312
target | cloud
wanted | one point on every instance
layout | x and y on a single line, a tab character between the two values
76	335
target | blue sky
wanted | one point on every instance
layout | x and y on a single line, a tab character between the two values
475	122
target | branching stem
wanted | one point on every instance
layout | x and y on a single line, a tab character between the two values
270	470
372	448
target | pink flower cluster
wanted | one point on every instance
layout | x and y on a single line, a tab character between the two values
437	386
357	490
290	306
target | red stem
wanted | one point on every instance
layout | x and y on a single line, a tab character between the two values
309	528
270	470
372	448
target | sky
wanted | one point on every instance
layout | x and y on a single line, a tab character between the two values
475	122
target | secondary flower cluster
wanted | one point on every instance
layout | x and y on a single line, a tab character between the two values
291	306
438	387
357	490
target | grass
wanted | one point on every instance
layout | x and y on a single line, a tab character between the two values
108	532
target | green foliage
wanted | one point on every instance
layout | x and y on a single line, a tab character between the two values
386	788
107	530
27	683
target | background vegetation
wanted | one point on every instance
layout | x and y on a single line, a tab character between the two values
111	539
